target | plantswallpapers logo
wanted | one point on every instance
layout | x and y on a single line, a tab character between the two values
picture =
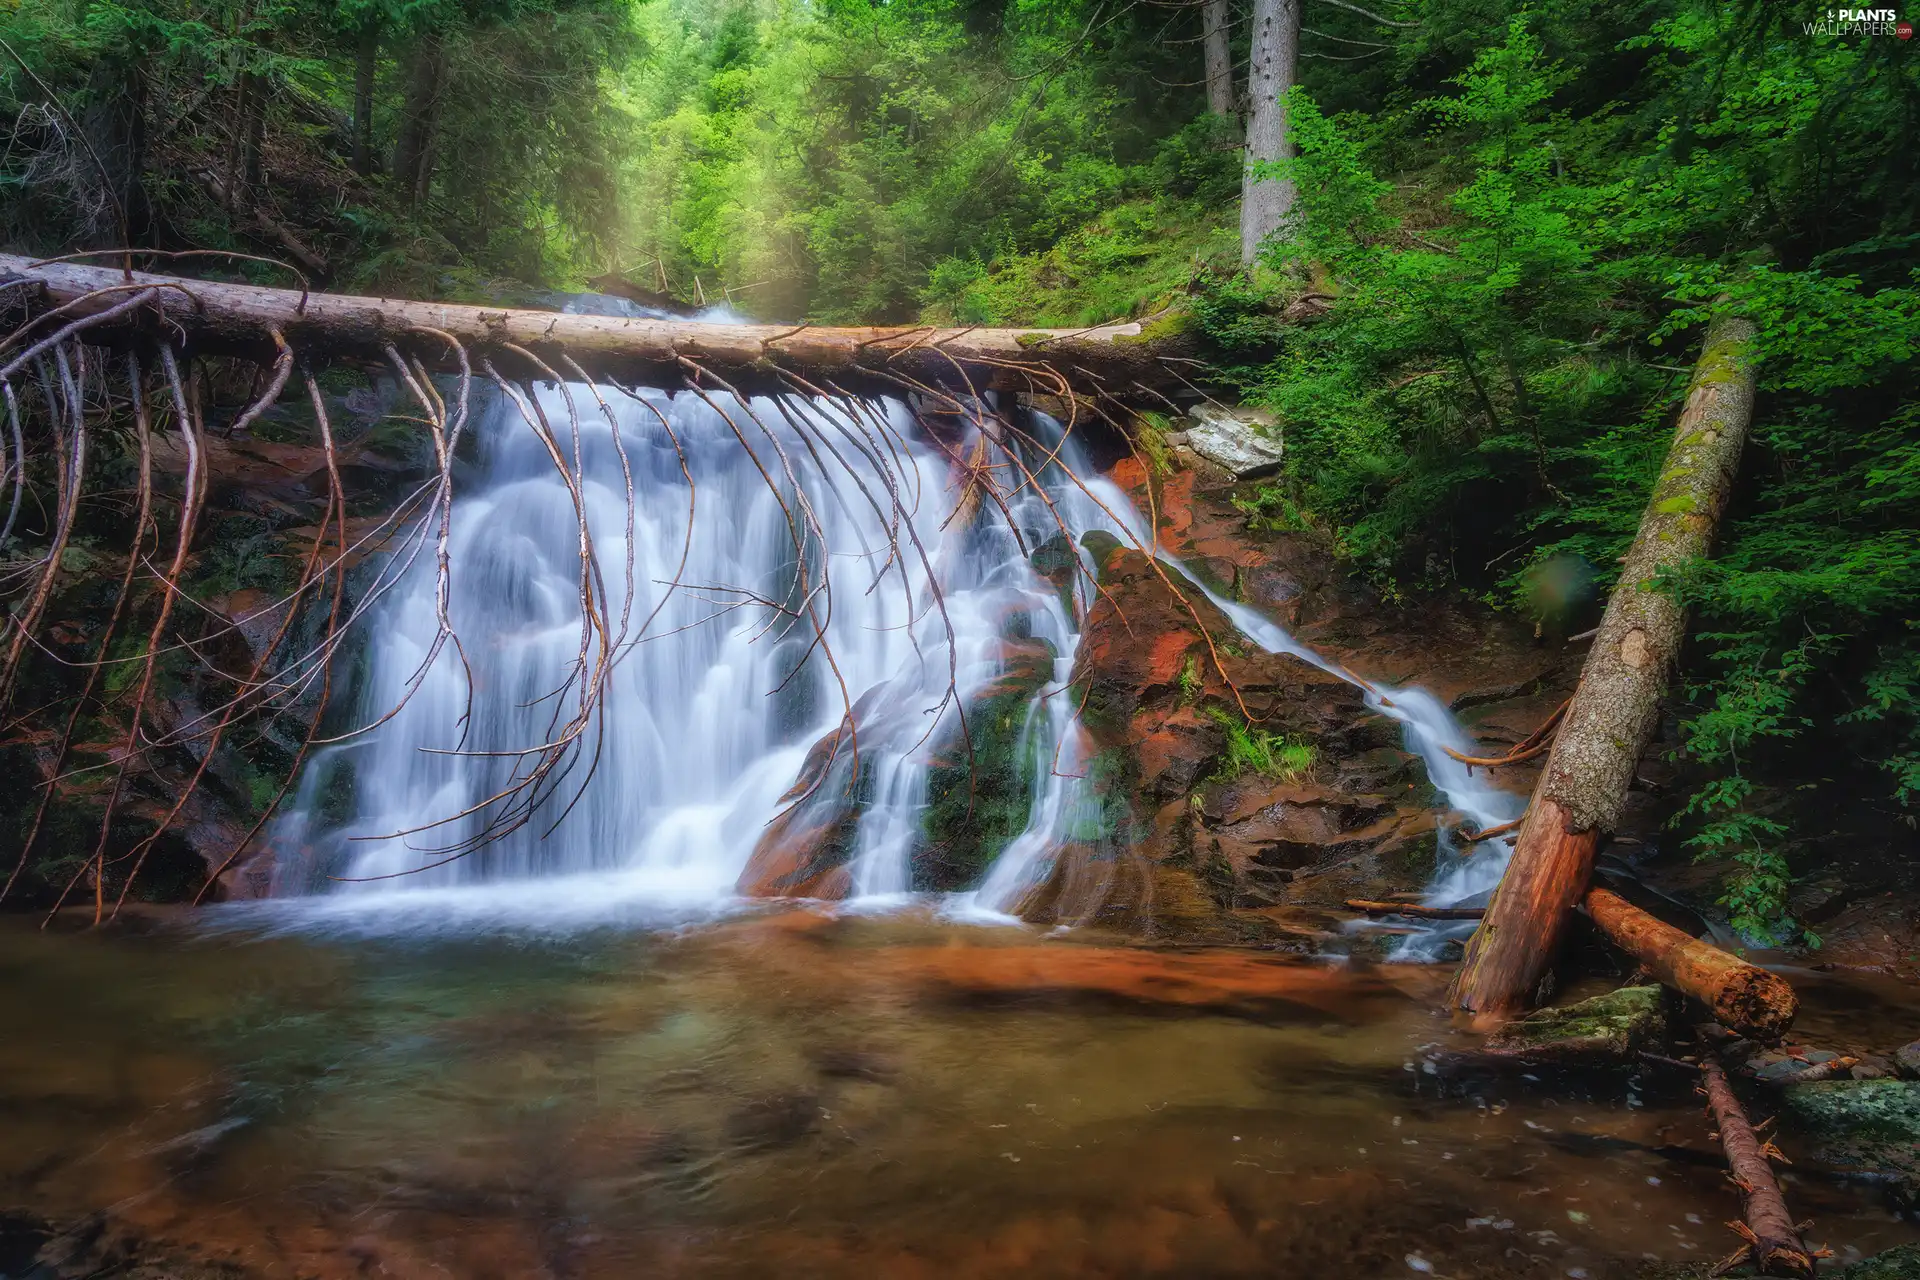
1860	22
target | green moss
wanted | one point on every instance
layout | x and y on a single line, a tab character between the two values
1189	680
1617	1025
1150	439
1901	1263
976	807
1101	545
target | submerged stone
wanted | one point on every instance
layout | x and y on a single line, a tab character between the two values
1615	1026
1863	1124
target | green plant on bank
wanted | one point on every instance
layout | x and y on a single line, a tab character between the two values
1189	681
1250	750
1269	510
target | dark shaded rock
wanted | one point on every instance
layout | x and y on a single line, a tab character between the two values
1614	1026
978	800
1906	1060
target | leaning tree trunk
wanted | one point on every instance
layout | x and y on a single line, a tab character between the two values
1265	201
1216	35
1612	714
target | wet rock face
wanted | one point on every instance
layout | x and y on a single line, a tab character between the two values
980	783
1248	795
1206	840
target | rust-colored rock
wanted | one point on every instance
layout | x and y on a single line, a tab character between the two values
803	853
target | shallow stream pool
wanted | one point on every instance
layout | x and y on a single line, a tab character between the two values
794	1094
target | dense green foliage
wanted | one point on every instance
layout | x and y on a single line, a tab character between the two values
406	144
1490	393
1514	220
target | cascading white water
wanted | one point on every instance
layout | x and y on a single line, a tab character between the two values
710	711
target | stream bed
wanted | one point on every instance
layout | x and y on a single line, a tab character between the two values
798	1093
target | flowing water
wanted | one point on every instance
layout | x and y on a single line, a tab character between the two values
715	696
581	1055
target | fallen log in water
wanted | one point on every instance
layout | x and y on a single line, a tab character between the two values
1410	909
1773	1243
1742	996
1104	361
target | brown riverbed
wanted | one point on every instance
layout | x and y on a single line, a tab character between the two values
793	1094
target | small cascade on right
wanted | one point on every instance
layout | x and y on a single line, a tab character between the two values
1461	876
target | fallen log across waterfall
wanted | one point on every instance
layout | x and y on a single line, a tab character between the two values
1614	710
1091	364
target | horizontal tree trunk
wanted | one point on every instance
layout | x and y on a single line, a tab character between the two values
1117	359
1742	996
1612	714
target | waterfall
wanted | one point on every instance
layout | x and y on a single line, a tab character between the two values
787	562
710	711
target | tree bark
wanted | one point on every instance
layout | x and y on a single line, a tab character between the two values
366	64
235	319
419	115
1743	997
1216	37
253	128
1612	714
1264	201
1772	1241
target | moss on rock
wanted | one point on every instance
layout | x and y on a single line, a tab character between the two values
1902	1263
977	805
1871	1124
1616	1025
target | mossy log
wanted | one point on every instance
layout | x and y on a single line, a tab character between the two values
1612	714
1742	996
237	319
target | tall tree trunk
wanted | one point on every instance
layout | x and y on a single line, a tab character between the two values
253	126
366	63
1264	201
115	122
1217	38
1613	712
419	113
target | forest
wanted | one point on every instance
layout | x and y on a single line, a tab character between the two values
1509	223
